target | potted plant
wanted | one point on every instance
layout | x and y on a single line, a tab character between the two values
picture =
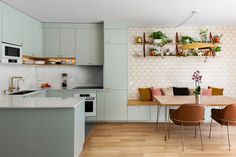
203	33
159	37
153	52
186	39
197	79
217	50
217	38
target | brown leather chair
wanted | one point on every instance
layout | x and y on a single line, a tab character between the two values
190	115
225	116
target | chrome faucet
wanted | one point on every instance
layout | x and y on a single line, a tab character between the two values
11	85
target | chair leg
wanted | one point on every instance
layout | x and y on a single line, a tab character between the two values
169	129
201	135
182	135
228	135
210	129
195	131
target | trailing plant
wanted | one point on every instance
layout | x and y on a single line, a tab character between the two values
217	49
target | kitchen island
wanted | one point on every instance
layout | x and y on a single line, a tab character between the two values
41	126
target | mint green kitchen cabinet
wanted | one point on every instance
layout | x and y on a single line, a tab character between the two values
32	37
28	36
116	66
115	105
97	48
116	36
100	105
139	113
59	42
68	40
83	40
11	25
52	42
90	46
37	38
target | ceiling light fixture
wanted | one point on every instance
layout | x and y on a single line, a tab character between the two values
187	19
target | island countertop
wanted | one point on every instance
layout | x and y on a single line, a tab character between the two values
12	101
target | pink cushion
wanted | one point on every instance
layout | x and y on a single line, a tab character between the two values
156	92
207	92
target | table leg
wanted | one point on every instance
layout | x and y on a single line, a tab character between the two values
166	119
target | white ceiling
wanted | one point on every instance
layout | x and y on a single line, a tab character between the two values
134	12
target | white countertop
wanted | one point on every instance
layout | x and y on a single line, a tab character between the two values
12	101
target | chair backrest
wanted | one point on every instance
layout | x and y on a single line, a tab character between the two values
229	112
191	112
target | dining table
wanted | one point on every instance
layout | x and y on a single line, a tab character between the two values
171	101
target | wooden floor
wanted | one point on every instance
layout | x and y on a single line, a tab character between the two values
147	140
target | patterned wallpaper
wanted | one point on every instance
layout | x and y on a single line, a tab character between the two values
218	71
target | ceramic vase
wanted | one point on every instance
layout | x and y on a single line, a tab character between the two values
197	99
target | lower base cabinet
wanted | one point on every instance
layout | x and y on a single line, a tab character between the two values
139	113
115	105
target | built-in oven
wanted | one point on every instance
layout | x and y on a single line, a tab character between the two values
90	103
11	53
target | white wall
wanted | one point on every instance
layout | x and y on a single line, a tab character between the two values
177	71
35	75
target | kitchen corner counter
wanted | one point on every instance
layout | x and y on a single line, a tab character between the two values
41	126
10	101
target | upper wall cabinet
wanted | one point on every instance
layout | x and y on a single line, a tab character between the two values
32	37
52	41
37	38
83	41
115	36
89	46
68	42
11	25
27	35
59	41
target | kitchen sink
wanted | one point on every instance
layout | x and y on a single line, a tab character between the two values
22	92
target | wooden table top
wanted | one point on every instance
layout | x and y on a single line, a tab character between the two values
204	100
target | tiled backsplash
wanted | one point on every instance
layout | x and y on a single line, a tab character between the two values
35	75
218	71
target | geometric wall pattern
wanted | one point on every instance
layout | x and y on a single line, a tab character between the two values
218	71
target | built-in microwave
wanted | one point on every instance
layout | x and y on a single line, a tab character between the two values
11	53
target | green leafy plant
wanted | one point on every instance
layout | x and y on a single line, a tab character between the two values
217	49
203	33
159	35
197	91
186	39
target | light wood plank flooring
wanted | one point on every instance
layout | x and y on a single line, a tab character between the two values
147	140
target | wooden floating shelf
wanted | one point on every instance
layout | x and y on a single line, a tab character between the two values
207	48
32	60
193	46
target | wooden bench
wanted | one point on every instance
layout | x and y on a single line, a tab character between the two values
142	103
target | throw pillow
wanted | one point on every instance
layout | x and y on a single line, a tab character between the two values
207	92
180	91
216	91
168	91
156	92
145	94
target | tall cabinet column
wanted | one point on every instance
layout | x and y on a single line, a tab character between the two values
115	71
